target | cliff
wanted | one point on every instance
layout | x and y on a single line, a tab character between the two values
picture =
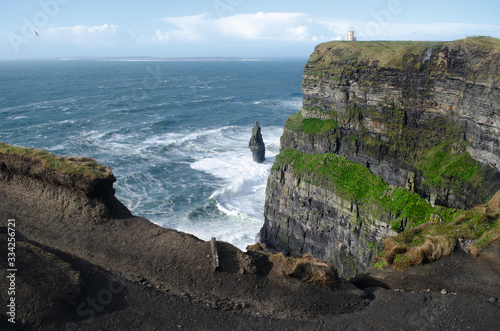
423	116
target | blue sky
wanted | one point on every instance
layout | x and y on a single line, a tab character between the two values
227	28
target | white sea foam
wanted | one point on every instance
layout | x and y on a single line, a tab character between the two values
178	146
239	199
242	194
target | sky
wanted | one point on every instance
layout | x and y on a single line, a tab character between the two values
227	28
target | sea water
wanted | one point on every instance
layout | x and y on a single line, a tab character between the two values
174	133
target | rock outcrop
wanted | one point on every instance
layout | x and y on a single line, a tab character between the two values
423	116
256	145
309	218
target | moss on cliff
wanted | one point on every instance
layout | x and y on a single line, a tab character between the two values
79	166
357	184
440	162
311	125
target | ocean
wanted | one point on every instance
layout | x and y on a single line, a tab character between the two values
175	133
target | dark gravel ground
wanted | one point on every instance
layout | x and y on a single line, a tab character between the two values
454	293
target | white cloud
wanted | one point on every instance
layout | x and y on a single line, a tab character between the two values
190	28
84	30
81	34
305	29
161	36
259	26
267	26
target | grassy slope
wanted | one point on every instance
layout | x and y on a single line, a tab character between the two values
387	54
427	240
83	166
311	125
430	241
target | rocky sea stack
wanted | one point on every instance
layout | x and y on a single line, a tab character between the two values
257	145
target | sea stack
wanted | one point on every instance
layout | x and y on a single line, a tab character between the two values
257	145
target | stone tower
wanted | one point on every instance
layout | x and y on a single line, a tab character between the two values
350	36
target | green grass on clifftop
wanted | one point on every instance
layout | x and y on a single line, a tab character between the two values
79	166
392	54
388	54
357	184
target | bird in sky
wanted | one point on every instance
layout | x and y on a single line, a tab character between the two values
37	34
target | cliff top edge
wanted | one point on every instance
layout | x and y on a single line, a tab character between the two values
77	166
390	54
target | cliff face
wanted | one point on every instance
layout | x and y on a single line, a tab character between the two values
302	217
422	116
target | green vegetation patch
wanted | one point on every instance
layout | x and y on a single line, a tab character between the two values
356	183
317	126
293	121
440	162
79	166
449	165
312	126
431	241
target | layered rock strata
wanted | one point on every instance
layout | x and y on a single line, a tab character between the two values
309	218
424	116
416	102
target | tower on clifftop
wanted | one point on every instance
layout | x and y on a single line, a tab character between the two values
350	36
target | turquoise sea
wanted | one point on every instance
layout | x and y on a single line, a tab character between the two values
175	133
